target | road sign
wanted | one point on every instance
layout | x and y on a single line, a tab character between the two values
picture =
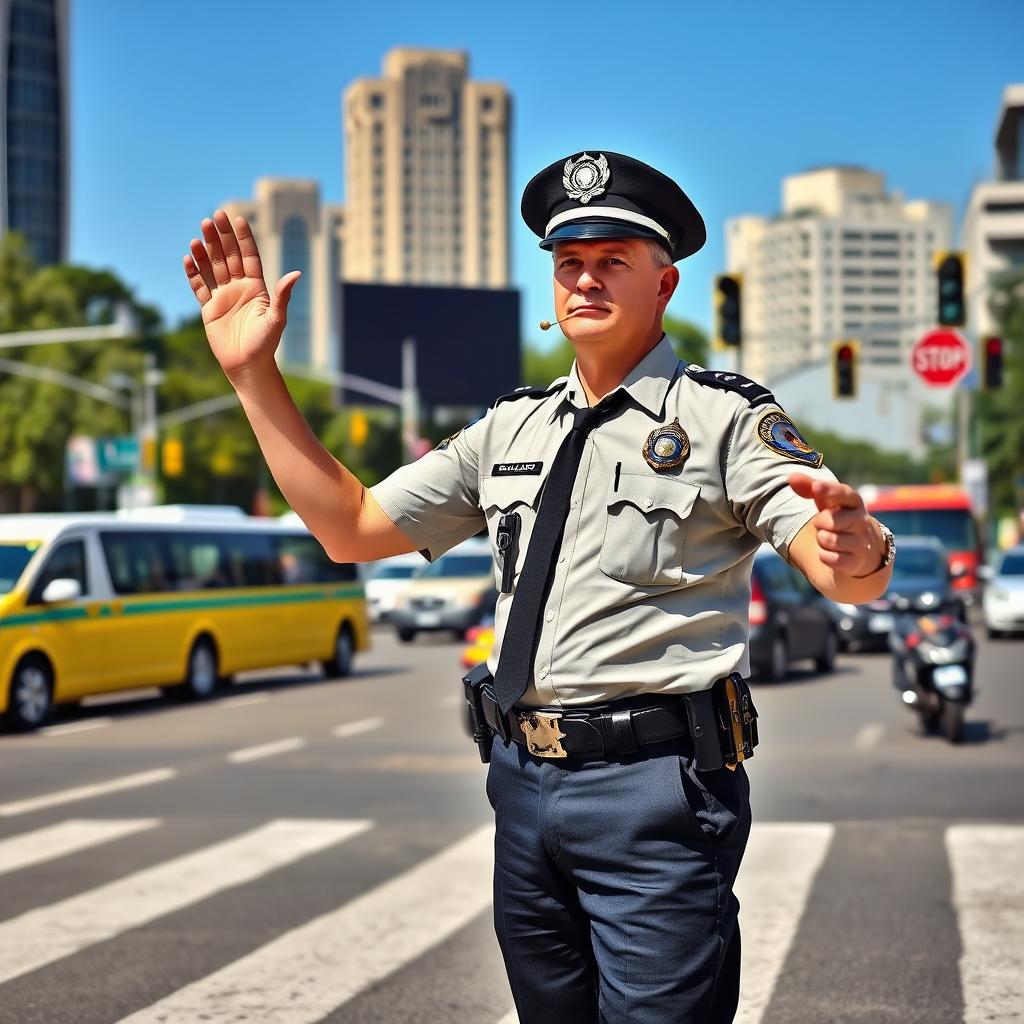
941	358
117	454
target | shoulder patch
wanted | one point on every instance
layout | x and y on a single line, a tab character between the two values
754	393
528	391
775	430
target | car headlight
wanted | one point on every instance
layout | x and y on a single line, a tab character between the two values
849	609
927	599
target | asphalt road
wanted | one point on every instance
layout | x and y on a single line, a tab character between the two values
309	850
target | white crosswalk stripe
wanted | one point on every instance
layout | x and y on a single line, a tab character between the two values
302	976
308	972
774	881
87	792
988	893
67	837
48	933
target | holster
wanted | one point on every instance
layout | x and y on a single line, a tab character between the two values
474	681
723	724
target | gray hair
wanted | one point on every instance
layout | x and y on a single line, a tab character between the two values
659	254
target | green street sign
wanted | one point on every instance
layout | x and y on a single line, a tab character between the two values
117	454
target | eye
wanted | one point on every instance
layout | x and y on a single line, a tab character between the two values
615	259
567	261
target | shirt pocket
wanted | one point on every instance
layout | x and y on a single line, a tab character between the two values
645	529
500	495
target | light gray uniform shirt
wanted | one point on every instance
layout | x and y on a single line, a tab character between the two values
651	584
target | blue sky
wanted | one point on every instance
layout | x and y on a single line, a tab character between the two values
176	108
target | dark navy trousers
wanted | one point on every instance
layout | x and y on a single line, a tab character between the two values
613	898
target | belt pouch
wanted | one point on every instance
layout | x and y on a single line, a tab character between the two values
704	731
474	681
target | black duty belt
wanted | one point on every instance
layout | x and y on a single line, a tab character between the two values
721	722
590	732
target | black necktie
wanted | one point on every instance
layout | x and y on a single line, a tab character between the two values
520	637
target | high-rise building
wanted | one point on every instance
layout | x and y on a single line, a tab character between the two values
34	174
295	231
427	181
993	229
843	259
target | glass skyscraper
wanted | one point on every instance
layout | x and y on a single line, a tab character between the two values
33	97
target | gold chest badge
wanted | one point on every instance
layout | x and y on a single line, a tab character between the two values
666	447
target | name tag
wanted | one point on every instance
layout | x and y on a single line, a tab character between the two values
517	469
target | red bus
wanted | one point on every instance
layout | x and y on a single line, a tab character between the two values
934	510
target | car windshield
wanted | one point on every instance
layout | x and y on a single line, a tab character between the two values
1013	565
393	572
953	527
458	565
13	559
917	562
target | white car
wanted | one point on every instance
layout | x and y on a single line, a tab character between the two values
388	578
1003	603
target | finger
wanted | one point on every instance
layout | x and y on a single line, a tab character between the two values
840	561
195	280
282	296
829	494
839	519
229	244
202	261
845	543
220	268
247	246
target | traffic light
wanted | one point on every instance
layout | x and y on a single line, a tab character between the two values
844	368
728	311
992	357
172	457
949	271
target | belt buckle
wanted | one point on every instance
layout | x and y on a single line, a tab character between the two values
543	737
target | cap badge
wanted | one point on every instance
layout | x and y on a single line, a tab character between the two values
666	447
586	177
777	433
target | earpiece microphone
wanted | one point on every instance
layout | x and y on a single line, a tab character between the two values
547	324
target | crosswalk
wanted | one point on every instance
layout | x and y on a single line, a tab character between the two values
311	971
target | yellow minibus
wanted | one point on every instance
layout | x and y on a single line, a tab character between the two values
97	602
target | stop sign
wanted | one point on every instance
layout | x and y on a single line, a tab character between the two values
941	358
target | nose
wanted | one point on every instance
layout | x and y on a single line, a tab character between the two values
588	281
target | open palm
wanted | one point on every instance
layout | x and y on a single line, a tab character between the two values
243	323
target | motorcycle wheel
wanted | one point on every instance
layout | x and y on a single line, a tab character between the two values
953	722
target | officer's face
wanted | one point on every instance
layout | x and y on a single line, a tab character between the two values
613	288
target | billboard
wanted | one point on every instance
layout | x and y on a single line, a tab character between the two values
467	340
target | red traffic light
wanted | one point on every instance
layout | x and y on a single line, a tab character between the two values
992	369
845	353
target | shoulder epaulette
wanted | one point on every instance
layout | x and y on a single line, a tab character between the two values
528	391
754	393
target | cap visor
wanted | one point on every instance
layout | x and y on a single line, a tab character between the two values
591	230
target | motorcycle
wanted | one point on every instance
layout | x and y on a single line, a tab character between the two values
933	666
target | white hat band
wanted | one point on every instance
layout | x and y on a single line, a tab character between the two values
609	212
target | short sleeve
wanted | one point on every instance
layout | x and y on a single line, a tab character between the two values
435	501
764	448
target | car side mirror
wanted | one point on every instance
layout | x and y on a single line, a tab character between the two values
61	590
985	572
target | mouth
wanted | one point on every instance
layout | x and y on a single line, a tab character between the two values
589	309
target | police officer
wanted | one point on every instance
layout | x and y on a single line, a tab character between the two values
625	503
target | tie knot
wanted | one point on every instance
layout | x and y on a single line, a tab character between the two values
586	419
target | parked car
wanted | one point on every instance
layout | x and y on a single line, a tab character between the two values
1003	601
386	579
789	619
452	594
921	574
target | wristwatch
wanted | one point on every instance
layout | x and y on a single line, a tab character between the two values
889	546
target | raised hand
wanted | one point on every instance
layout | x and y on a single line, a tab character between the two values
243	323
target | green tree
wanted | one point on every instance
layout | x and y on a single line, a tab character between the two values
37	418
998	416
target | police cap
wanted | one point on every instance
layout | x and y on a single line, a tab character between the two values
596	194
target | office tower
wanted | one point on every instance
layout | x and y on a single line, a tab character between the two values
295	231
993	229
426	174
34	186
843	259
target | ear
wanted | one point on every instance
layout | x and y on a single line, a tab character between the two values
667	285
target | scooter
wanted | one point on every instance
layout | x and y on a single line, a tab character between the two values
933	667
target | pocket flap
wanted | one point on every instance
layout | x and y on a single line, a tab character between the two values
505	492
650	491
